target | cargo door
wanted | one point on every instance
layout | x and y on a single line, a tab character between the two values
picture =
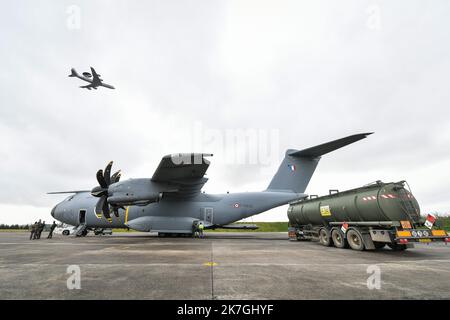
82	217
208	215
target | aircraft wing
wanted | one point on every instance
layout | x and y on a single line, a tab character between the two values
89	86
95	76
185	171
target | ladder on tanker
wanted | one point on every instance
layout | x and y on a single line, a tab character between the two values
407	205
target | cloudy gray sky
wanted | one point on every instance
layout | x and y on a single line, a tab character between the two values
191	74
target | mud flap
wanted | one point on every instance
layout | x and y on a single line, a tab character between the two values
368	243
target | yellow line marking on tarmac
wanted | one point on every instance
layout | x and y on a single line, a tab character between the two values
210	264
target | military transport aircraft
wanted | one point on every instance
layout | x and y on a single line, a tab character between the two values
94	82
171	201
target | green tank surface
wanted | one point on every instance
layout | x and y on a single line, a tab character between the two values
365	218
383	202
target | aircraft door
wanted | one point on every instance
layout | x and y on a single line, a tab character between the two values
208	215
82	216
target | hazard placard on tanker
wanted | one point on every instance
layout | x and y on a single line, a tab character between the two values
325	211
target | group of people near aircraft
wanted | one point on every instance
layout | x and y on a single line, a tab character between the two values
197	229
37	228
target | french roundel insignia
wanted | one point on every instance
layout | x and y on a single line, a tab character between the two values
236	205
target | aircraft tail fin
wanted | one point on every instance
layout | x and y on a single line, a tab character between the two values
73	73
298	166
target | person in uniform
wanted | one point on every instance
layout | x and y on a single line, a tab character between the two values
200	229
37	225
52	227
195	229
41	228
33	230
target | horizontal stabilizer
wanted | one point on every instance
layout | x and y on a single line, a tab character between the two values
325	148
73	73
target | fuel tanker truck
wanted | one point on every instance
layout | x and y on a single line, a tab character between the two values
364	218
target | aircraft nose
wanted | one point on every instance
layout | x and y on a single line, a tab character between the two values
53	211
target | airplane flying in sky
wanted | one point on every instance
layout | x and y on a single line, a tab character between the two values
93	78
171	201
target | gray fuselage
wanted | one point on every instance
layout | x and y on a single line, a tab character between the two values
170	215
172	201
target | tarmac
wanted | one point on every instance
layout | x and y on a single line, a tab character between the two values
221	266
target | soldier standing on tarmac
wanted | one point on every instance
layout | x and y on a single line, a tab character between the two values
40	229
33	230
52	227
37	226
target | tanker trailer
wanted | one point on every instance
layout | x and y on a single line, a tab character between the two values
368	217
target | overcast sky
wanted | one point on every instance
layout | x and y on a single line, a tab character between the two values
191	74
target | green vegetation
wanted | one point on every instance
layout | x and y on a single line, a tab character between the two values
441	223
13	227
262	227
444	223
122	230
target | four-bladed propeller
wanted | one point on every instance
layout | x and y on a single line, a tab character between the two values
105	179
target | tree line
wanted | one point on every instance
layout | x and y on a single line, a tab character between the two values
14	226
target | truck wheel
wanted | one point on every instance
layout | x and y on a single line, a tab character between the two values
355	240
324	237
397	247
65	232
338	239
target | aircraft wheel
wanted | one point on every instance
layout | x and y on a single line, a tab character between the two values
338	239
355	240
324	237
